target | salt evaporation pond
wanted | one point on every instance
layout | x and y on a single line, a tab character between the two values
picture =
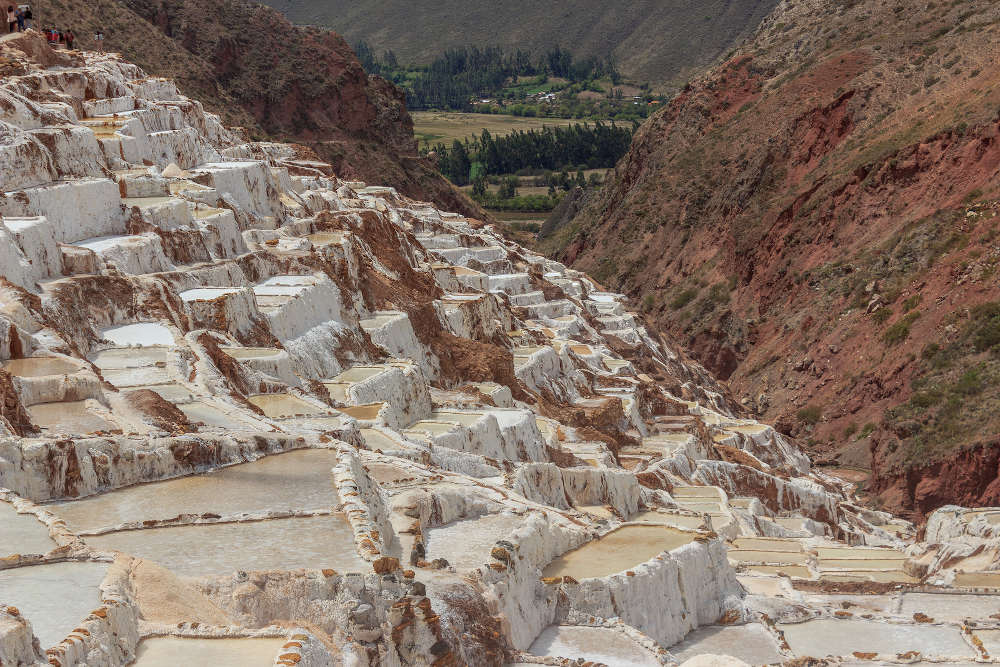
22	534
601	645
70	417
665	519
278	406
54	597
836	637
954	608
200	412
142	333
173	651
224	548
298	480
466	544
751	643
117	358
617	551
40	367
248	353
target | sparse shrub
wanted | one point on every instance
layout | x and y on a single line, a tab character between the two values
900	331
912	302
810	415
925	399
984	326
719	293
684	298
867	430
851	429
882	315
971	383
930	351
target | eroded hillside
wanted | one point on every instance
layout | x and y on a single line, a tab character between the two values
815	219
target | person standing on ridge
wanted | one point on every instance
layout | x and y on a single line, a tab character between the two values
28	16
99	38
11	19
69	37
19	16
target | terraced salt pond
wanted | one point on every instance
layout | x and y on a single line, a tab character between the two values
278	406
977	579
617	551
22	534
224	548
953	608
363	412
127	357
751	643
466	544
248	353
600	645
173	651
143	334
211	416
385	473
793	571
666	519
326	238
842	637
70	417
775	557
40	367
359	374
300	480
54	597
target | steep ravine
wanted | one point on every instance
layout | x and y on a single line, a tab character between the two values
815	219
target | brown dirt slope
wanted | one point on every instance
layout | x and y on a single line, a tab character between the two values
816	218
250	65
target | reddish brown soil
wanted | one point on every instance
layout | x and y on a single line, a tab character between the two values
12	413
462	360
162	413
835	160
970	477
229	367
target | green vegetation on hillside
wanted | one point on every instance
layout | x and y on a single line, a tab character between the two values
553	84
955	387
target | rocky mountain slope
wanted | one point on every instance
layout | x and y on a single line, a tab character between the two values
651	40
815	218
252	66
254	413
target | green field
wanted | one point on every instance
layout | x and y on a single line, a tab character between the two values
445	126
